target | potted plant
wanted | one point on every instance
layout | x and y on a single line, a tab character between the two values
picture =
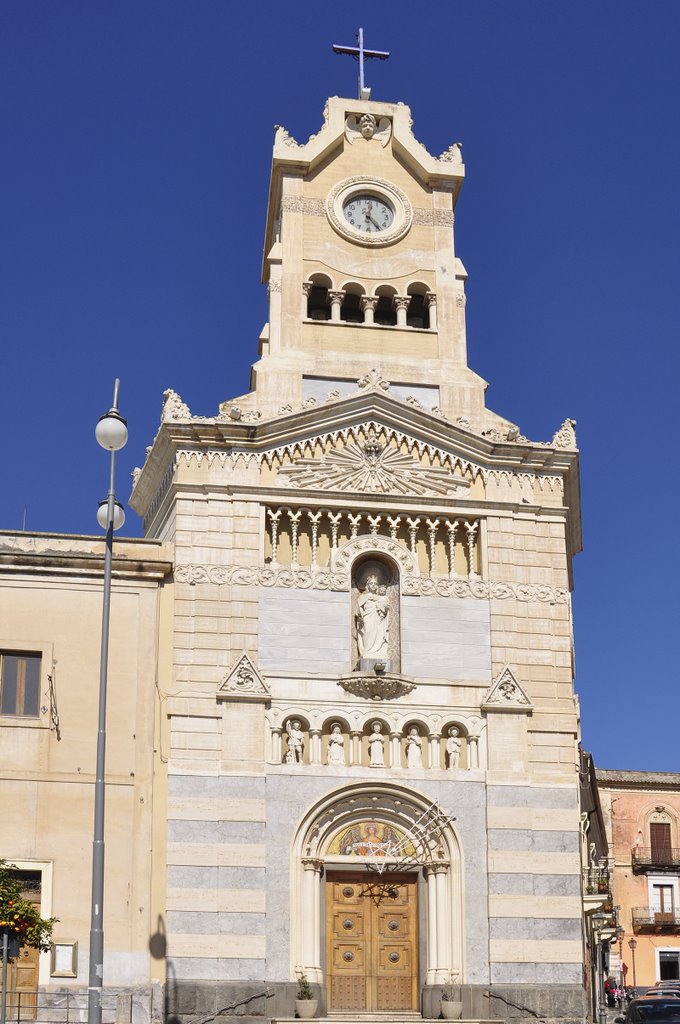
20	919
451	1005
305	1003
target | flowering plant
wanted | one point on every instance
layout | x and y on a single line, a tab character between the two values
19	915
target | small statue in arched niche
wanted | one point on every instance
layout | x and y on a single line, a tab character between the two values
453	745
376	746
336	746
414	748
296	742
376	608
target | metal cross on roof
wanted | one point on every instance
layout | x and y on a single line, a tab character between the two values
360	55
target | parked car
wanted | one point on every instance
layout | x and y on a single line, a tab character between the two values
655	1009
656	993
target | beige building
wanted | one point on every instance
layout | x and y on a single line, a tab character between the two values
351	719
50	632
642	812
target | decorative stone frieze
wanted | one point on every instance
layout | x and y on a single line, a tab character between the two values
321	579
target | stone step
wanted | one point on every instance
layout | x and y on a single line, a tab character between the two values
379	1018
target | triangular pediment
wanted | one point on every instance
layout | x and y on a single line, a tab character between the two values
243	683
372	455
507	694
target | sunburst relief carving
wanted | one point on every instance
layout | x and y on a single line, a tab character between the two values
373	467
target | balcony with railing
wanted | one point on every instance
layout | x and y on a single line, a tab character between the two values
597	892
651	858
650	921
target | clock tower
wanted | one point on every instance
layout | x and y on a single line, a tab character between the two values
370	736
361	266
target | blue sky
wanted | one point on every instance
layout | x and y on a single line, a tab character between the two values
131	242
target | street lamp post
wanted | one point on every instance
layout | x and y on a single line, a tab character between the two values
111	433
632	946
599	920
620	935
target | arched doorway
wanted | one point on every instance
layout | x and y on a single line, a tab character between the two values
364	859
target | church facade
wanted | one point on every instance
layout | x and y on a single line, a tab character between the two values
368	726
342	731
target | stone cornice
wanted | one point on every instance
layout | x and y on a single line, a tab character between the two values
59	554
607	777
375	407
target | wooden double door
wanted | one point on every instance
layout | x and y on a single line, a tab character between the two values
371	942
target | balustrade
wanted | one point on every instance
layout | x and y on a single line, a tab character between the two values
308	537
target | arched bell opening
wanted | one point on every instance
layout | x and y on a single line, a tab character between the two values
351	310
317	289
385	313
418	314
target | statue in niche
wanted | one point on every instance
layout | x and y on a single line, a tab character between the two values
376	745
414	748
453	745
336	747
296	743
373	619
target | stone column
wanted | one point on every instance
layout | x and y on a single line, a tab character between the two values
277	752
310	909
431	303
395	750
432	963
401	304
355	747
473	751
368	304
443	923
336	299
435	755
315	746
306	292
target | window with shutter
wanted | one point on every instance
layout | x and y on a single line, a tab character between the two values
660	842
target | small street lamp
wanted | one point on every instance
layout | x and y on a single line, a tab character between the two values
112	434
632	946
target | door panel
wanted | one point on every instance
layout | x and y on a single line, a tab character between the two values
371	940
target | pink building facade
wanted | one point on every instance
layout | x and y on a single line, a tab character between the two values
641	811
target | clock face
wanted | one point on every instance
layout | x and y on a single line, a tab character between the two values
368	213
